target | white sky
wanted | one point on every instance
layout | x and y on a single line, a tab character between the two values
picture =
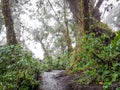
108	2
36	49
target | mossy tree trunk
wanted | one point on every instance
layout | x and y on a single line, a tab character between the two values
66	32
87	14
76	6
11	37
91	13
84	13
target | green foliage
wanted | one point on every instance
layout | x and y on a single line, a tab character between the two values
18	69
60	63
99	63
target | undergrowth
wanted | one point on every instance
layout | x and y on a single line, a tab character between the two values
60	63
18	69
99	62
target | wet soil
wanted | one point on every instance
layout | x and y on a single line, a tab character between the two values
58	80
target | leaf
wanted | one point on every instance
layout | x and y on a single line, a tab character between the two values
118	88
114	77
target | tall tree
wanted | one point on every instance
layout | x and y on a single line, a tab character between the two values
76	6
11	37
87	14
83	11
66	36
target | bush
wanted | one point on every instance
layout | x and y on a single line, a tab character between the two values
99	63
59	63
18	69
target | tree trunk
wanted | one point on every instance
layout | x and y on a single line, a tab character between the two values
87	14
76	6
96	12
46	53
99	3
11	37
66	30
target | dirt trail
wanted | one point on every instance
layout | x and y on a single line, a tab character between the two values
50	80
57	80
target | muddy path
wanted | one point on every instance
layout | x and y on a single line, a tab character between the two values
54	80
57	80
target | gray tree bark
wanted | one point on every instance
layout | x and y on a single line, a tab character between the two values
11	37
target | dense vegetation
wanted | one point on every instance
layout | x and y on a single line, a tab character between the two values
99	63
18	69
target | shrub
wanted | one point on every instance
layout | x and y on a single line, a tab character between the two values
99	63
59	63
18	69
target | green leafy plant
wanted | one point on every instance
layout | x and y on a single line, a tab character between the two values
99	63
18	69
57	64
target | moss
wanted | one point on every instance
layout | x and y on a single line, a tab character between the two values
100	28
